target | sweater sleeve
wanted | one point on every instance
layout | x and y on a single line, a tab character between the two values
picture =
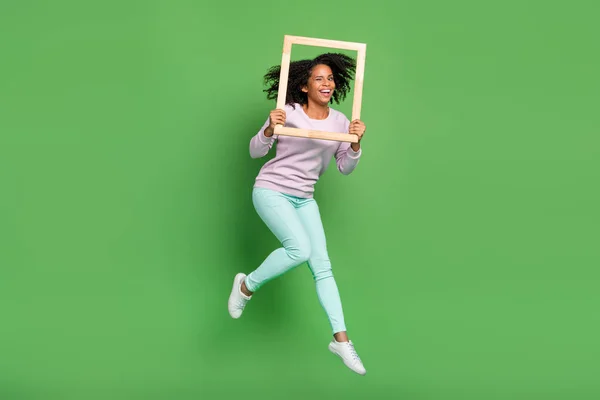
347	159
260	144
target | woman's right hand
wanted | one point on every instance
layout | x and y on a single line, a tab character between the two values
276	117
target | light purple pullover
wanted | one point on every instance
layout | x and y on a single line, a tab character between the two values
299	162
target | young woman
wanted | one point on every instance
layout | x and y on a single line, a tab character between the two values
283	190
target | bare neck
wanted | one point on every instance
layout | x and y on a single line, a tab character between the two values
316	111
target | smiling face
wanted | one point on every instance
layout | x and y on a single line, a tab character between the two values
320	85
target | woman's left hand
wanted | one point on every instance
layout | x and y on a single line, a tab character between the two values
357	127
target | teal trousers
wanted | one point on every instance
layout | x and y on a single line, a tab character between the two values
296	222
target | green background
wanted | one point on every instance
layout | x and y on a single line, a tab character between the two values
465	245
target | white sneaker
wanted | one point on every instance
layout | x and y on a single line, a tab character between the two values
237	299
346	351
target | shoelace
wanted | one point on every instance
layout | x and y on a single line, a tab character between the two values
241	303
353	352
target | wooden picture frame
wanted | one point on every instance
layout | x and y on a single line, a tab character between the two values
361	49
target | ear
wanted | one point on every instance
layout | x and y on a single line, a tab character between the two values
304	89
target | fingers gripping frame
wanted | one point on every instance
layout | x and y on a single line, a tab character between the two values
288	41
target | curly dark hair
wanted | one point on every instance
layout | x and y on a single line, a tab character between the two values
342	66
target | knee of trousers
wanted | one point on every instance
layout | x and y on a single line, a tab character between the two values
299	252
321	268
